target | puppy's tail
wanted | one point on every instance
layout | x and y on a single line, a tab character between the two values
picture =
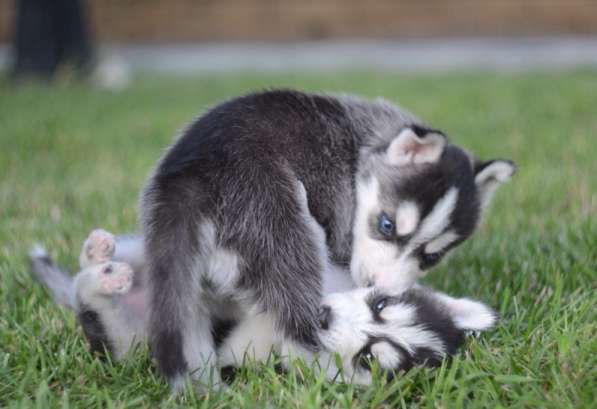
50	275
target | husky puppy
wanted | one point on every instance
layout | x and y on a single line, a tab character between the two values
365	327
221	216
108	295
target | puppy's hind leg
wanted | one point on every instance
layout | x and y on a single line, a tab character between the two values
101	246
180	326
283	259
180	323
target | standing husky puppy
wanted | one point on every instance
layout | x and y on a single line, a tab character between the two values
224	230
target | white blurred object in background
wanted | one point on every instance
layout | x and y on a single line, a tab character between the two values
111	72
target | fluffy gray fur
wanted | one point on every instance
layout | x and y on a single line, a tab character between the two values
230	185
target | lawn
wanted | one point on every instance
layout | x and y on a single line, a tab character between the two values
73	158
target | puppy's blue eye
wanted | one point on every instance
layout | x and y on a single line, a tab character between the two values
381	304
385	226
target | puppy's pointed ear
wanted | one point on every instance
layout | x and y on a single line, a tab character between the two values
469	314
490	175
415	145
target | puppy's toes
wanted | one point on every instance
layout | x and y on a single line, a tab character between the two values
116	278
99	246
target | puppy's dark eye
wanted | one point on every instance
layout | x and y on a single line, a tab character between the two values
430	259
108	270
385	225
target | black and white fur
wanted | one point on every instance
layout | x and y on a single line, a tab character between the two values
397	330
222	220
365	327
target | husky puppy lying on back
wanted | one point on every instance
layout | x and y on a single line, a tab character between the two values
222	220
366	327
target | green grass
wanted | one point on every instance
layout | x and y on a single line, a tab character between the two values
73	158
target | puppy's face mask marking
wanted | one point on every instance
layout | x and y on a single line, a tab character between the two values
371	327
419	198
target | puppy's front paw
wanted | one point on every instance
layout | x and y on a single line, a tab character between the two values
116	278
98	248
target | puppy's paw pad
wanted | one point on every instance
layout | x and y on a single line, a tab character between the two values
99	246
116	279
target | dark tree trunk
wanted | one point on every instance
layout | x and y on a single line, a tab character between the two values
49	33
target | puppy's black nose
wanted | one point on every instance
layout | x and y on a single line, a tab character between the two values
325	316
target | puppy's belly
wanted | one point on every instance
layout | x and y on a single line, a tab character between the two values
136	303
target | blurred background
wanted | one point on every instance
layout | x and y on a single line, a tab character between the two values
115	79
116	37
